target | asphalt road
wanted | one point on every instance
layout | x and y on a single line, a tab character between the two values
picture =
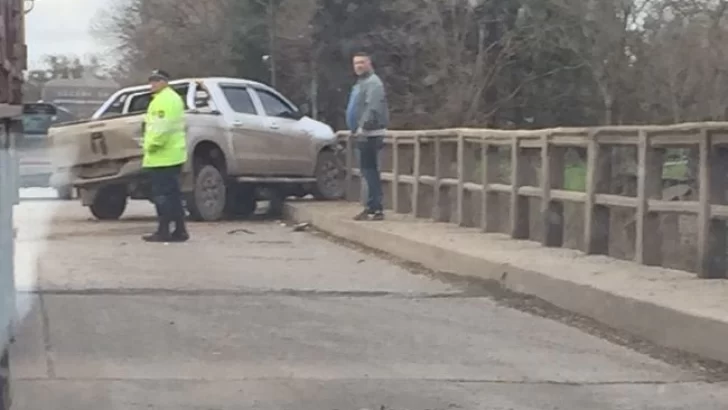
251	315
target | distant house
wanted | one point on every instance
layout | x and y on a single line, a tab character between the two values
80	96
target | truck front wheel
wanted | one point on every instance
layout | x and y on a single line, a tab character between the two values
109	203
330	177
207	200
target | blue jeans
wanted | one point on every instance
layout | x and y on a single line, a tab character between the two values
369	148
166	196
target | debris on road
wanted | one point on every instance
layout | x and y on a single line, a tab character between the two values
241	230
301	227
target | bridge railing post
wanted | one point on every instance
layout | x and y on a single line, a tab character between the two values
352	189
490	163
552	177
416	174
650	161
395	174
711	191
519	215
596	216
438	211
466	167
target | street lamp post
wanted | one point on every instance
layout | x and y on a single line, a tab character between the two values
272	33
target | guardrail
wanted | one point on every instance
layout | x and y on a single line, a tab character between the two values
462	175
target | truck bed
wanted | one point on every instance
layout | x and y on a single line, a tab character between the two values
95	147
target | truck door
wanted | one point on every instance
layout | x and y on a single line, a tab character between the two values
294	149
254	149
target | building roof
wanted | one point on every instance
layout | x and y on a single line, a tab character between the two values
82	82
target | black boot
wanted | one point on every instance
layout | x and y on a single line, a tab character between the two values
180	233
162	234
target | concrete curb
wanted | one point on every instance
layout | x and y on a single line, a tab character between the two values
663	325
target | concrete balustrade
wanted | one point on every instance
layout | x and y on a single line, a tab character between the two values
566	187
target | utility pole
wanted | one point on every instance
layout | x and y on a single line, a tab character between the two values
272	43
314	87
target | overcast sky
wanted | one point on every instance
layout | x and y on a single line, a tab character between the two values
61	27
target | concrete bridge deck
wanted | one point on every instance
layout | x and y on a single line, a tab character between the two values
670	307
251	315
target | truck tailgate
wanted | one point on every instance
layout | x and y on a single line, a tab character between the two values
101	141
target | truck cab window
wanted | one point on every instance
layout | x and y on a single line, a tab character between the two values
239	100
63	116
116	107
140	103
274	106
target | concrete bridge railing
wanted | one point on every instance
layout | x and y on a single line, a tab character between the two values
564	188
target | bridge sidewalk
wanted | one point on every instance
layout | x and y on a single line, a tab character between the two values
668	307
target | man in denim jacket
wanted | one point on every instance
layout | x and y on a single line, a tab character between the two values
367	116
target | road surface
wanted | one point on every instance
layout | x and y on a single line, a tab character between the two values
251	315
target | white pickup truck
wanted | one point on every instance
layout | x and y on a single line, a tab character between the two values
242	136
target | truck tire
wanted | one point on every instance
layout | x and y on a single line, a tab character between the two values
110	203
241	202
330	177
209	196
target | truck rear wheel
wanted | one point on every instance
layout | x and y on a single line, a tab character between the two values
208	198
110	203
330	177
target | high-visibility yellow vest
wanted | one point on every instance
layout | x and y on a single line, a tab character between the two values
165	142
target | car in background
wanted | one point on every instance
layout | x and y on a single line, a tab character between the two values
33	148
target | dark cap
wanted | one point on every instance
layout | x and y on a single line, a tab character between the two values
159	75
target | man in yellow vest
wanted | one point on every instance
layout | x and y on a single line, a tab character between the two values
165	152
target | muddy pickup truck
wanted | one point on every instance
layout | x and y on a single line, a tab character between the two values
244	139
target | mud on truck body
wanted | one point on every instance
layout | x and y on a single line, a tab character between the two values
244	140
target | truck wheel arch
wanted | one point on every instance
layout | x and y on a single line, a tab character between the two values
204	152
208	152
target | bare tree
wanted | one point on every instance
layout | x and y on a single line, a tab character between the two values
187	37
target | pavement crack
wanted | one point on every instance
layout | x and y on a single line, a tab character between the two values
249	292
50	364
374	379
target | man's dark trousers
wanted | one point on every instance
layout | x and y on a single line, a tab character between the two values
167	198
369	148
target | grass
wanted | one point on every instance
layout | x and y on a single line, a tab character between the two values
575	174
575	177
